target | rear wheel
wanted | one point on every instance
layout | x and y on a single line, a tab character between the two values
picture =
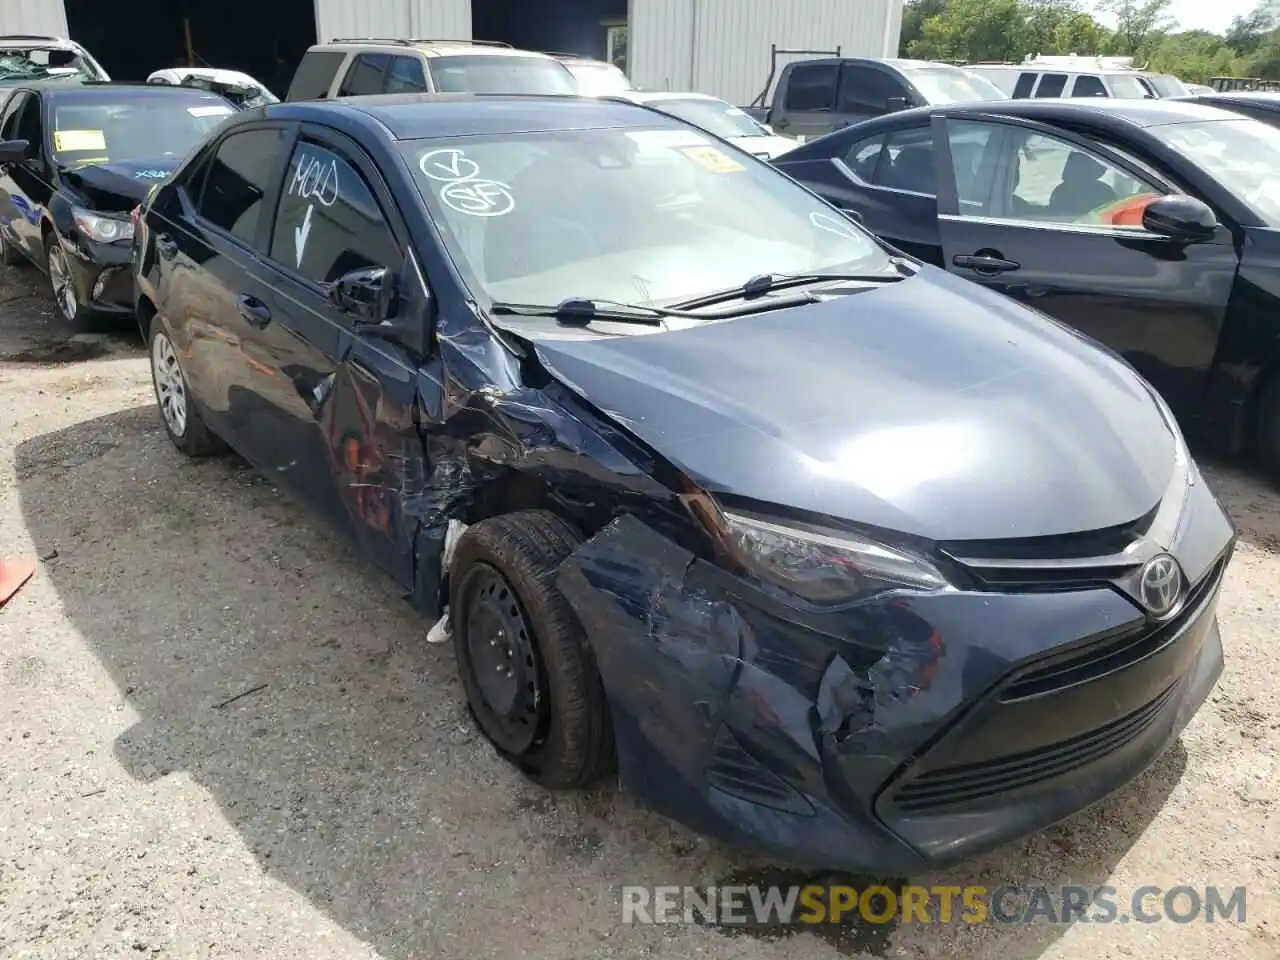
9	255
181	420
529	673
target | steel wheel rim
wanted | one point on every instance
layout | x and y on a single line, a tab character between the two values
64	291
171	387
502	661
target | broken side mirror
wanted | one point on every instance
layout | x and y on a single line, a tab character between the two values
15	151
372	297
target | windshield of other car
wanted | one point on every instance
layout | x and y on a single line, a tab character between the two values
102	126
1125	87
599	79
37	63
949	85
493	74
1166	86
1240	154
650	215
714	116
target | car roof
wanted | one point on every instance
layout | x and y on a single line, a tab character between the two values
18	41
650	96
1266	98
93	90
416	116
433	48
1114	112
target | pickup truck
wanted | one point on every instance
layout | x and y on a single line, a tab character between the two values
814	97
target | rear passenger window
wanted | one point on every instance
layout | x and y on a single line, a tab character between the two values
239	179
1022	89
1088	86
864	158
368	75
406	76
328	222
314	76
908	164
812	87
1052	85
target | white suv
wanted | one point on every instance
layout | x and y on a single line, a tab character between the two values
1021	81
359	67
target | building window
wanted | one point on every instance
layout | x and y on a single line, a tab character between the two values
615	43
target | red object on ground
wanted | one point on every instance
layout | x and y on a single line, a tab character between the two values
13	574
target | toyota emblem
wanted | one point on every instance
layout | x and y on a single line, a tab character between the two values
1160	585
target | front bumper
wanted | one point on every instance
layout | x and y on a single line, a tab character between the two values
905	733
102	274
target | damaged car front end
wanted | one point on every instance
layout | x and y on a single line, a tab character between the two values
827	553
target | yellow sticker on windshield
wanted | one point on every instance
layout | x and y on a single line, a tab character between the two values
709	158
76	140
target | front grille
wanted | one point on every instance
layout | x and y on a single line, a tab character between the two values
1109	654
976	782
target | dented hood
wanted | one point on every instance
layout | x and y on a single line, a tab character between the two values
120	185
930	406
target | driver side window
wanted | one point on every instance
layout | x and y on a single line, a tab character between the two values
31	125
1054	181
12	110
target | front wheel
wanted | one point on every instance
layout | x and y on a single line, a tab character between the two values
63	286
528	671
181	420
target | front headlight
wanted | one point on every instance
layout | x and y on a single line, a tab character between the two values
826	566
102	229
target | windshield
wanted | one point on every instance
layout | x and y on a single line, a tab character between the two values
99	127
599	79
942	85
498	74
1167	86
245	94
1127	87
714	116
649	215
40	62
1240	154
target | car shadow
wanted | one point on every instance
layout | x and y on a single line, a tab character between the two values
282	674
34	332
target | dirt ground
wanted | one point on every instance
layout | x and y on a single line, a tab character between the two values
345	808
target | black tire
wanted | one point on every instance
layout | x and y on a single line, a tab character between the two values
62	287
9	254
566	740
188	432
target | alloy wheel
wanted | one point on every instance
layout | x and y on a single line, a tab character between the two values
171	386
64	290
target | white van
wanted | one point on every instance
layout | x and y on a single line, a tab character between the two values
1021	81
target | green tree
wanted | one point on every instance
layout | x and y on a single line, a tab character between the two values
972	30
1139	23
914	15
1081	34
1247	33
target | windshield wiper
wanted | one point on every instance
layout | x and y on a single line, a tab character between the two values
764	283
582	311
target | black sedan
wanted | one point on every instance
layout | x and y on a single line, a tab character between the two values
829	552
74	161
1262	105
1152	226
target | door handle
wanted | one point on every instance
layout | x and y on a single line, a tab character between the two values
166	245
984	263
254	311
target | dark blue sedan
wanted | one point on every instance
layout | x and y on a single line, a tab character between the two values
1151	226
824	551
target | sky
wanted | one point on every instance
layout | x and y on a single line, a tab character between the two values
1215	15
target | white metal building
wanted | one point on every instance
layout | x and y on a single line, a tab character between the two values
721	47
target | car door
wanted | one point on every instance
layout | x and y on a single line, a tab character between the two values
14	205
30	181
809	100
1043	228
217	291
355	396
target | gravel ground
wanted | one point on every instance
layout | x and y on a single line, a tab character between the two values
345	808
